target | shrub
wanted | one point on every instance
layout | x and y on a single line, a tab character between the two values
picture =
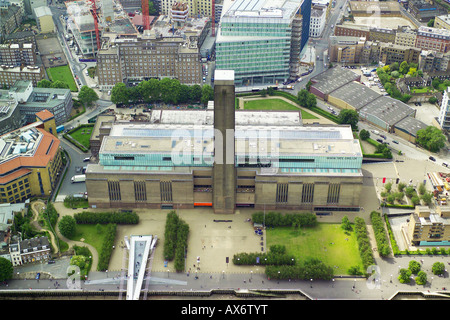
362	238
438	268
87	217
107	247
414	266
310	269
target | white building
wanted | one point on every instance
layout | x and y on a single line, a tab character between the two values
444	114
318	20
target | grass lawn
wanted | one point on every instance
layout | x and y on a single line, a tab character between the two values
90	234
82	135
274	104
64	74
326	242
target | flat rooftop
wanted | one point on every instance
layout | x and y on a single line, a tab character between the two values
146	138
242	117
410	125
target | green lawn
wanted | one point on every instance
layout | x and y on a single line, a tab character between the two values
64	74
326	242
82	134
91	234
274	104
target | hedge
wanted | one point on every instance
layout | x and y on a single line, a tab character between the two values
87	217
276	256
312	268
276	219
380	234
107	247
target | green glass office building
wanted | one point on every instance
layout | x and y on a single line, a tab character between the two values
261	40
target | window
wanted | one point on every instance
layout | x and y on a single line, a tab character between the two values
282	193
140	192
308	193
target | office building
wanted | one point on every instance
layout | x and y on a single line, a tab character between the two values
262	40
31	100
271	161
406	36
197	8
30	162
424	11
344	49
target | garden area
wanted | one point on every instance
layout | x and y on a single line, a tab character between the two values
275	104
80	136
63	74
405	196
302	248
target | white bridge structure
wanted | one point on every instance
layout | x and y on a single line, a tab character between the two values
140	257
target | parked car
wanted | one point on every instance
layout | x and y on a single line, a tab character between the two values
380	141
432	158
383	136
396	142
87	159
445	164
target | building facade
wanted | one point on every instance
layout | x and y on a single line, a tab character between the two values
160	54
433	39
18	54
318	20
164	165
444	113
427	227
10	74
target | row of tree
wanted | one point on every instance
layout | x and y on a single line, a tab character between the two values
107	247
175	240
276	219
166	90
384	248
364	247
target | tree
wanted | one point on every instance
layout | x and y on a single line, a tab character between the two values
195	93
435	83
414	266
302	97
59	84
404	67
170	90
44	83
404	276
430	23
6	269
431	138
207	94
311	101
87	96
364	134
308	85
345	224
427	197
184	94
350	117
432	100
438	268
67	226
120	94
421	278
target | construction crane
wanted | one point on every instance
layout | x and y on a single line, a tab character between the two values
94	15
213	18
145	14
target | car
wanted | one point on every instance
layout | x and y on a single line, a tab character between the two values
432	158
380	141
38	275
445	164
383	136
51	261
87	159
394	141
